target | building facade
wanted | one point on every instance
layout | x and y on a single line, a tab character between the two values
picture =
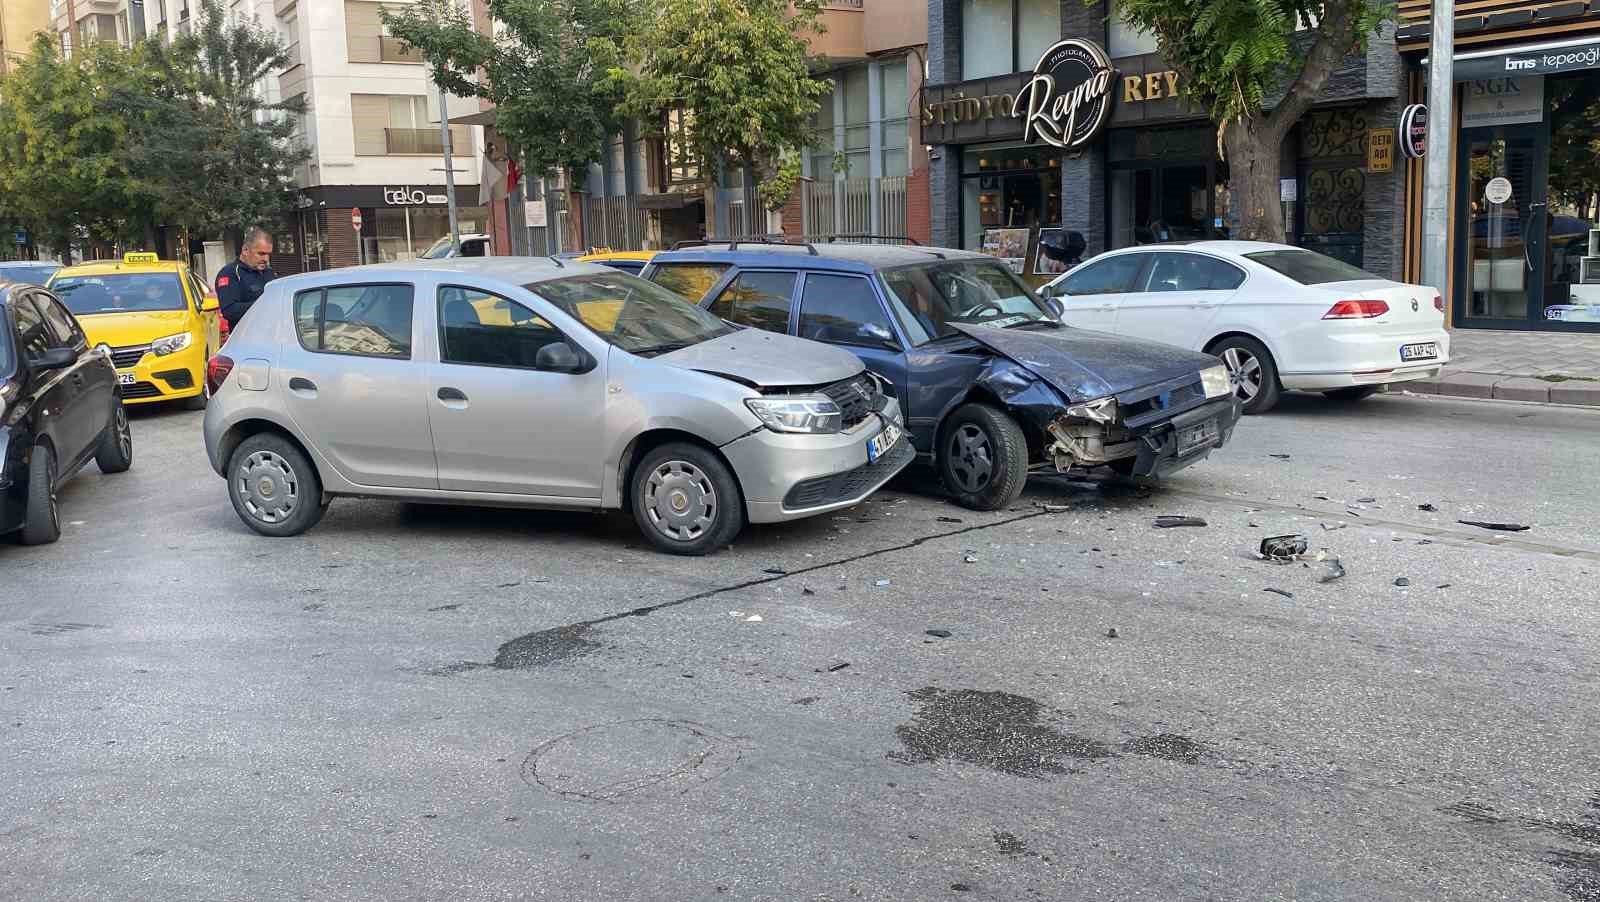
20	20
1525	241
1149	170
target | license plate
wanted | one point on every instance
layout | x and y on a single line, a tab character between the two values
883	441
1193	438
125	379
1426	350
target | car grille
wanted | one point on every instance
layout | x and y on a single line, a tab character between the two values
857	397
178	379
850	484
1163	406
127	357
140	390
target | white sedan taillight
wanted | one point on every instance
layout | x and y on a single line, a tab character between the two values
1356	310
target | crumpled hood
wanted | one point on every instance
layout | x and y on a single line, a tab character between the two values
1085	365
766	359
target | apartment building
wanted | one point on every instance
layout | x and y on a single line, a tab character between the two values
20	20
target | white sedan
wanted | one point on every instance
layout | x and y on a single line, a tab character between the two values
1281	317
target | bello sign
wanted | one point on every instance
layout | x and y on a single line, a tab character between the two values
1064	102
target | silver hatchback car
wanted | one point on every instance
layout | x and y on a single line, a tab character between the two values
531	382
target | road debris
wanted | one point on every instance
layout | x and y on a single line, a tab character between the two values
807	590
1501	527
939	634
1333	570
971	559
882	584
1330	527
1170	521
947	520
1281	456
838	667
753	618
1366	501
1283	548
775	571
1111	633
1402	582
1053	508
1279	592
1427	508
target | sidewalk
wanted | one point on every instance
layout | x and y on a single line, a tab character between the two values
1518	366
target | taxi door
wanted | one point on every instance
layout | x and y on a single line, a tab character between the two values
209	309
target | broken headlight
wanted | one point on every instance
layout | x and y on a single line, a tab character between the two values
1216	381
1102	410
815	414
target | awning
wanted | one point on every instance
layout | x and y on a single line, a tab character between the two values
1547	58
482	117
667	201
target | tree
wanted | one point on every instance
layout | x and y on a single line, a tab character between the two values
1236	54
545	70
742	72
231	154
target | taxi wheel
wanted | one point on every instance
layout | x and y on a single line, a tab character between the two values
983	457
41	523
273	487
685	500
115	454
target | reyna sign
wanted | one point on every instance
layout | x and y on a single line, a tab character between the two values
1064	102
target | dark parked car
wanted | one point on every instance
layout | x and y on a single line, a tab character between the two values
992	384
28	272
59	409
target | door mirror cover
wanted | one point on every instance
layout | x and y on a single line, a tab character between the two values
559	357
1055	306
53	359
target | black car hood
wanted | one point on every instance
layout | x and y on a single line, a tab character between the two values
1085	365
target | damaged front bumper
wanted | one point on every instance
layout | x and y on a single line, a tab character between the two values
1152	437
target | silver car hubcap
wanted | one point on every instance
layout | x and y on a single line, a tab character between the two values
124	434
1245	370
680	500
268	487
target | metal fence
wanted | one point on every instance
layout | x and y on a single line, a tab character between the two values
614	222
846	206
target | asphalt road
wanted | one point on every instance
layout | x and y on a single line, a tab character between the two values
426	703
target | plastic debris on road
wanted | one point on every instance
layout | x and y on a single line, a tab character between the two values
1283	549
1169	521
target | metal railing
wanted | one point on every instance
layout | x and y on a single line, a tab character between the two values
846	206
422	141
617	223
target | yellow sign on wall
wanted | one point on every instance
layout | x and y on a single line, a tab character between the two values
1380	150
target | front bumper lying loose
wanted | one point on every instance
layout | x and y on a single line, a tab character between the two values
1160	453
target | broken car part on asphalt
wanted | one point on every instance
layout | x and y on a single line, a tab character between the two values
1283	549
1168	521
1499	527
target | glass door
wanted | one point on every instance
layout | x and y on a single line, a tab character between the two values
1506	222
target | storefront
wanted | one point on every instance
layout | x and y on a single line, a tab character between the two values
397	222
1119	155
1527	242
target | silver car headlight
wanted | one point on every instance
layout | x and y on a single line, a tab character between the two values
1216	381
171	344
815	414
1100	410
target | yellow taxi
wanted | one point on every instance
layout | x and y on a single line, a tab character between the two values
156	316
630	262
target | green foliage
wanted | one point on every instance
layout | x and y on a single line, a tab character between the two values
545	70
1234	54
117	141
779	185
740	68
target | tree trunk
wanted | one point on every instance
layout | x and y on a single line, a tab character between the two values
1253	171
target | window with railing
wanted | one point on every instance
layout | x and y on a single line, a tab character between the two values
366	38
398	124
393	50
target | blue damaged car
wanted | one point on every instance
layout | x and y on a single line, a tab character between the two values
993	385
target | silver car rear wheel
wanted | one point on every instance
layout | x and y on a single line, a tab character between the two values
273	487
268	487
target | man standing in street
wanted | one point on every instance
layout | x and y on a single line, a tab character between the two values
240	283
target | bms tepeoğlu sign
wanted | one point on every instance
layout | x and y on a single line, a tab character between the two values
1064	102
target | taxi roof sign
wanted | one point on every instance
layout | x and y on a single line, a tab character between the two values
141	257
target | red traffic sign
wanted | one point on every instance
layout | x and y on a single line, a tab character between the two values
355	220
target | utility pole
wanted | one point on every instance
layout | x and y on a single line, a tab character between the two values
1436	164
449	171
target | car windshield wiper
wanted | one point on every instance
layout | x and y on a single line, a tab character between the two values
663	348
1028	324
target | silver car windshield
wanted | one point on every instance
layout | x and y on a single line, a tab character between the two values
929	297
637	316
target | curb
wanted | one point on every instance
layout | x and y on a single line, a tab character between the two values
1490	386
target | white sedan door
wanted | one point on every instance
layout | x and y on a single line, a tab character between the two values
1180	300
1090	294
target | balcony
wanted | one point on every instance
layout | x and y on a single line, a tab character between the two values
391	50
423	141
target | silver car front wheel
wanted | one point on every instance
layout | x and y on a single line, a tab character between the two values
685	500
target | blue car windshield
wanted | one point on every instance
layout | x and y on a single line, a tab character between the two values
929	297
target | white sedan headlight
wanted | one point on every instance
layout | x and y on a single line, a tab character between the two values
171	344
816	414
1216	381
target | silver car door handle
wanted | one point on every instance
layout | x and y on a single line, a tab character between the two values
452	394
300	384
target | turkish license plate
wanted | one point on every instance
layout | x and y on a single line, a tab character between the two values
883	441
1423	350
1193	438
125	379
